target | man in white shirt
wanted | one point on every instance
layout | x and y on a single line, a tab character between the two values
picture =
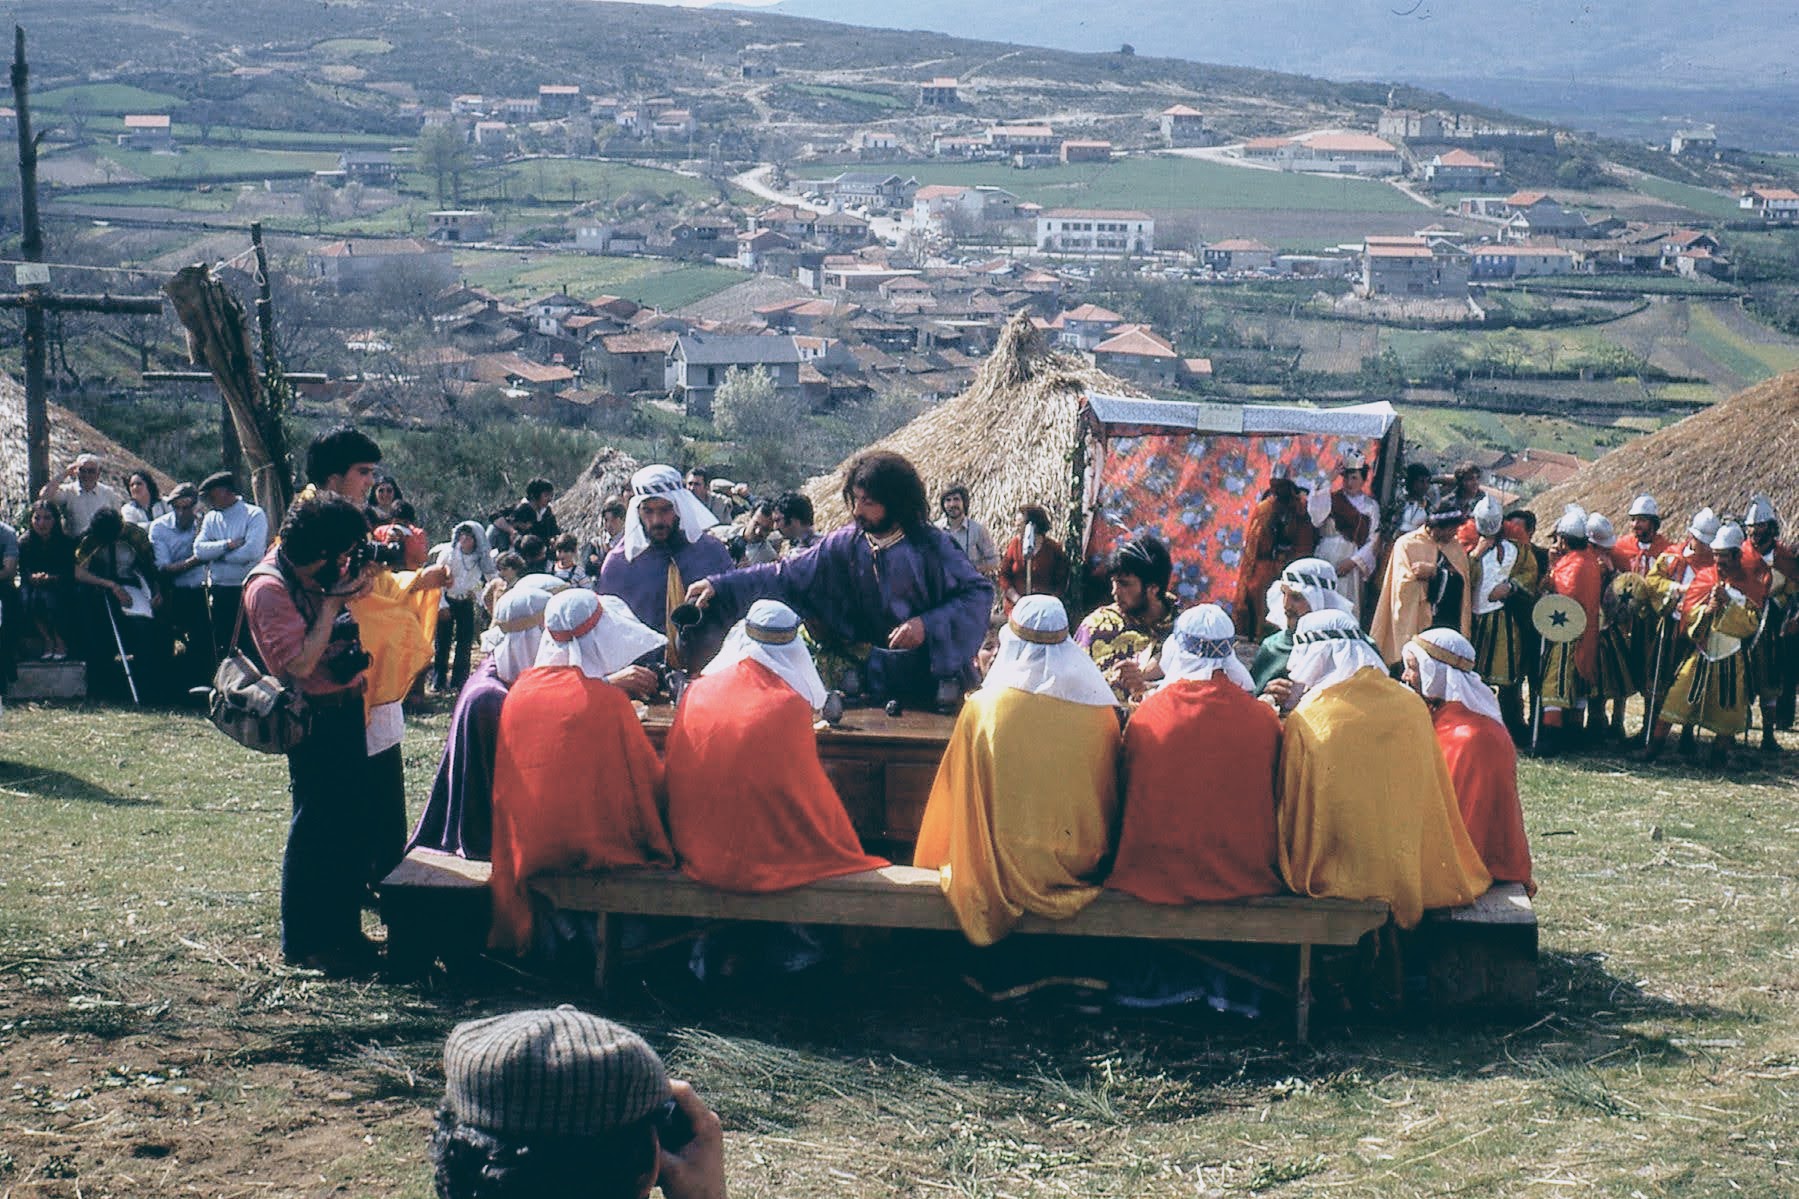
80	494
233	537
172	537
969	534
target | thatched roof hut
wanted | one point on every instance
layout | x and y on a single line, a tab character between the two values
1719	457
578	507
1010	438
69	436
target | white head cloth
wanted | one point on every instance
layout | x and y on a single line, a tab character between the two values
1573	522
1329	647
1488	516
1200	647
1645	505
1036	655
663	483
548	584
1704	525
598	633
1729	537
770	634
1316	582
1600	531
518	619
1444	660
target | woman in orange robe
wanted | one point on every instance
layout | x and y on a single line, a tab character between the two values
749	806
1200	757
576	782
1483	764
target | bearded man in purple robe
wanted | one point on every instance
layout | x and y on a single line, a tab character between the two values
894	608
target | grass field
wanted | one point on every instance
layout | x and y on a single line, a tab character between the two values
154	1043
208	162
851	94
1448	432
113	98
654	282
1702	200
338	49
185	199
1167	183
1751	360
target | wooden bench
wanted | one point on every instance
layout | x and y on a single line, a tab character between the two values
902	897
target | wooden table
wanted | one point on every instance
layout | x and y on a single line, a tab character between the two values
881	765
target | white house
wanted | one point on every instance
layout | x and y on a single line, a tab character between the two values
1109	232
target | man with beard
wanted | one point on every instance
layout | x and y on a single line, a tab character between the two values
1125	637
1772	649
664	551
1279	530
896	610
1719	612
1427	584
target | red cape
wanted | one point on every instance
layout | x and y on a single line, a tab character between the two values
1577	574
749	806
1632	555
1483	765
1199	824
575	786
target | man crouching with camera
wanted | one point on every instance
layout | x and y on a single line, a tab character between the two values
296	605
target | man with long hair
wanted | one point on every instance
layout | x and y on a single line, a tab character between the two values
897	610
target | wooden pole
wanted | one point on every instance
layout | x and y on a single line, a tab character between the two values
31	248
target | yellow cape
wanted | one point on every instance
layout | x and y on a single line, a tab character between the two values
1024	809
1367	807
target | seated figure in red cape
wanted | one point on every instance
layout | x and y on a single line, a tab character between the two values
1025	803
458	818
749	806
895	607
1200	756
1483	764
1367	809
577	784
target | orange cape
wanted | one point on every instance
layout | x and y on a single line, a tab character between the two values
1483	765
575	788
1577	575
1200	760
749	806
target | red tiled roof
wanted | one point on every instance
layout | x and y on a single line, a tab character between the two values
1461	158
1348	143
638	343
1241	244
1181	110
1137	341
1089	312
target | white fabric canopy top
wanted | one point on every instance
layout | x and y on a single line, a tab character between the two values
1444	660
1316	582
1329	647
770	634
1201	646
1035	655
663	483
518	622
598	633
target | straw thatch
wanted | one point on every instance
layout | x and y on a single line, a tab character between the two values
609	474
1010	438
1718	458
69	436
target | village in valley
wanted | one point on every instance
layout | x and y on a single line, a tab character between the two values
1147	310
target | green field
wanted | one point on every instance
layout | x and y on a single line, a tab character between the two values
654	282
1702	200
338	49
850	95
114	98
1754	361
549	180
1167	183
1448	432
183	199
1646	285
204	163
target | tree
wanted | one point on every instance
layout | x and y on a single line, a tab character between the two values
317	201
445	156
765	422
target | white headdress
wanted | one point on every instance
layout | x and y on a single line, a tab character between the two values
1489	517
1645	505
1444	660
1704	525
597	633
1035	655
1600	531
1573	522
1200	647
663	483
1761	511
1329	647
518	625
770	634
1729	537
1315	580
548	584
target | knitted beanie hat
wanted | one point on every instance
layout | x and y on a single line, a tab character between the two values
551	1073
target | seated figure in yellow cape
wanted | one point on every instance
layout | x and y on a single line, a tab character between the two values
1367	807
1023	810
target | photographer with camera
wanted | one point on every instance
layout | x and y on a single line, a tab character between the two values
296	603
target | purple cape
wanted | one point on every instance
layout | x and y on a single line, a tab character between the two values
862	594
643	583
458	818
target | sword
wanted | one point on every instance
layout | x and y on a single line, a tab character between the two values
1655	686
1536	694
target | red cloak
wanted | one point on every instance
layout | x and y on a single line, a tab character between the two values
575	787
1632	555
1577	575
749	806
1199	811
1483	765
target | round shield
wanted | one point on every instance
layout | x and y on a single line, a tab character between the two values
1558	618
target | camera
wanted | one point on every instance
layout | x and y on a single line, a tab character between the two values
673	1129
344	657
381	553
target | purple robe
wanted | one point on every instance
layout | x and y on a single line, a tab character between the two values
861	594
458	818
643	583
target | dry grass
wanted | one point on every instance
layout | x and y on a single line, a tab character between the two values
69	436
1010	438
1719	458
608	475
